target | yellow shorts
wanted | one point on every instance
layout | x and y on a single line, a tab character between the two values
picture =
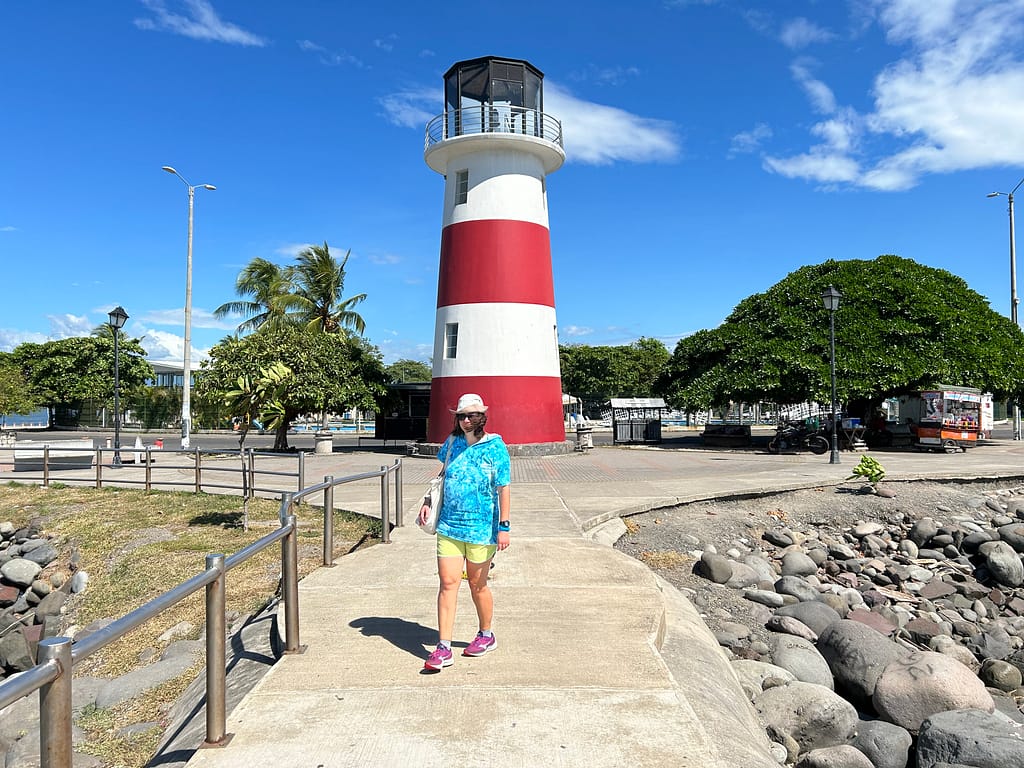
474	553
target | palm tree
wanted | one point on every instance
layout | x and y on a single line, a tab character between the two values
319	281
270	288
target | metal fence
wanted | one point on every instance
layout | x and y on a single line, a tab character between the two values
57	656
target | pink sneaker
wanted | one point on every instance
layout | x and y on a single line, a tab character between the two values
481	645
439	658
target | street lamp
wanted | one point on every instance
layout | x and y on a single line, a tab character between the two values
1013	290
115	319
186	392
830	298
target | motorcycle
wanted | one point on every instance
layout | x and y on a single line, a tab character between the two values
797	437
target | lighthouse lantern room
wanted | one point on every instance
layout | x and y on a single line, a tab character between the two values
495	333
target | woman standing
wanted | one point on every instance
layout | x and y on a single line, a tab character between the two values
472	524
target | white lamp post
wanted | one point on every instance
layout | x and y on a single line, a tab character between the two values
1013	290
116	319
186	391
830	298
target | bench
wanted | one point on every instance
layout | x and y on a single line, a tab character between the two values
726	435
62	454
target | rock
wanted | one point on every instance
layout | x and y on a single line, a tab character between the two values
43	554
796	563
797	587
993	644
20	571
913	688
762	566
922	531
790	626
856	656
1000	674
799	656
754	676
970	737
873	620
885	745
142	679
816	614
1013	534
742	576
950	647
842	756
16	653
79	582
716	568
778	537
764	597
810	714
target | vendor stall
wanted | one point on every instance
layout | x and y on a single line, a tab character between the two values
946	418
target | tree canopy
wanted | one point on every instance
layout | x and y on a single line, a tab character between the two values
900	327
67	371
402	371
331	371
597	373
15	391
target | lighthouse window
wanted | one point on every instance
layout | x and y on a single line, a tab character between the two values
461	187
451	340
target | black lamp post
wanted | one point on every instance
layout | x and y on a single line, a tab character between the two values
116	320
830	298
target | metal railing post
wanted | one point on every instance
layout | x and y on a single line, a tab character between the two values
216	654
385	507
329	521
290	582
199	472
252	473
46	466
399	510
302	470
149	468
55	705
99	467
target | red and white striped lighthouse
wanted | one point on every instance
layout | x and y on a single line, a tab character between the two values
495	332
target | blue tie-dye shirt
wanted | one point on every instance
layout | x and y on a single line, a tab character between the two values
469	511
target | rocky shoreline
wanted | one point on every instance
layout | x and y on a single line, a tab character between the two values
891	640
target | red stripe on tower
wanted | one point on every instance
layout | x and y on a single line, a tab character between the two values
495	332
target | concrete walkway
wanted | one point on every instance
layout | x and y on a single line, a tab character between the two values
599	663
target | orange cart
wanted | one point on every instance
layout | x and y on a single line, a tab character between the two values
945	419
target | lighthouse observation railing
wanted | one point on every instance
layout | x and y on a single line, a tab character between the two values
494	118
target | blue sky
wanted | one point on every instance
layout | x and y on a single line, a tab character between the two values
713	146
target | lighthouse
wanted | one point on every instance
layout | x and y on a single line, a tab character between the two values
495	332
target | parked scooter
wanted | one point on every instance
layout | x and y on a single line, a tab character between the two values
796	436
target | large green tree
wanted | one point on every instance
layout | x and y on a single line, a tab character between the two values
900	326
331	371
599	373
15	391
402	371
65	372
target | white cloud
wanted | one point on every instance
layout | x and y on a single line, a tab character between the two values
328	57
800	32
953	101
596	134
576	330
8	229
387	43
383	258
10	338
749	141
200	22
66	326
168	347
201	318
412	108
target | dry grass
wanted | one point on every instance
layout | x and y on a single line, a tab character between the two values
665	559
136	545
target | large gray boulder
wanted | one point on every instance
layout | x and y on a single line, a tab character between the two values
815	614
799	656
857	654
842	756
886	745
812	715
925	683
1003	563
970	737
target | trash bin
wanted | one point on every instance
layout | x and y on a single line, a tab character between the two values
584	437
323	442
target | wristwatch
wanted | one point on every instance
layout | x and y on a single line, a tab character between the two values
503	525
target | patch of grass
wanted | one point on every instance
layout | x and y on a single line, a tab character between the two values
135	545
665	559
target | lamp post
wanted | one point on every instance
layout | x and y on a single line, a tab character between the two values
1013	290
830	298
186	391
115	319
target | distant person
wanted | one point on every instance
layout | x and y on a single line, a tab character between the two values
472	524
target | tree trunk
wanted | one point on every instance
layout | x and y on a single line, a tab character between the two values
281	437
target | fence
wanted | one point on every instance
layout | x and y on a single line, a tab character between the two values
56	656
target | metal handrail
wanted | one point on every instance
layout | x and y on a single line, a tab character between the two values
56	656
493	118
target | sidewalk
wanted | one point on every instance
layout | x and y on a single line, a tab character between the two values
599	663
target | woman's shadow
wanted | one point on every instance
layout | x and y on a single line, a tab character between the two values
409	636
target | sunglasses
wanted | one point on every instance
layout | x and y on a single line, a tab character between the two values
470	416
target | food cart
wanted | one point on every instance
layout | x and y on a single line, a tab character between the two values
946	418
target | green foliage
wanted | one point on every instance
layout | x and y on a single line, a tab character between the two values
67	371
405	371
15	393
331	371
259	398
900	327
597	374
154	406
870	469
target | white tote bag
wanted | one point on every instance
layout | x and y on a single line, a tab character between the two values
435	496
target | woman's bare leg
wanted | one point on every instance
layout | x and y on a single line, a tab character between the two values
476	574
449	571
